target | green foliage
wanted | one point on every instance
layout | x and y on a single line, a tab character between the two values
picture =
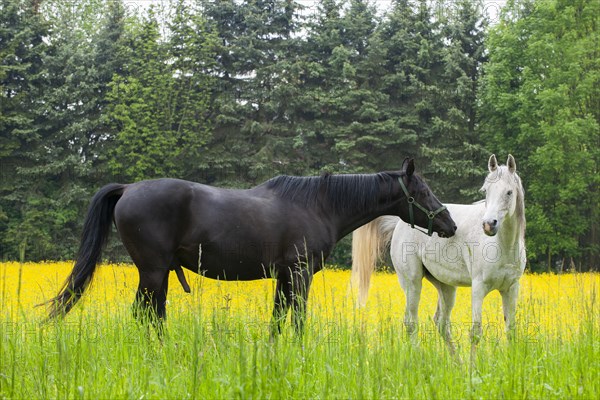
21	83
160	101
46	175
231	93
541	98
456	152
257	65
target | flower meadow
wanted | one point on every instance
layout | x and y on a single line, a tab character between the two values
217	342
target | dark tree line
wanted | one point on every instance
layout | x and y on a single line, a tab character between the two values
231	93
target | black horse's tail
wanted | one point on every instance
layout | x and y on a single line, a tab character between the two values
96	228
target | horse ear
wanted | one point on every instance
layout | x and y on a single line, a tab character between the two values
404	164
492	163
511	163
410	167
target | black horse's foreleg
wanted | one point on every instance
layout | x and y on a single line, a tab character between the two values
283	297
150	299
301	280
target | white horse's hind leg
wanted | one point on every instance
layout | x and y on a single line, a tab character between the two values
412	290
404	250
509	307
446	300
411	280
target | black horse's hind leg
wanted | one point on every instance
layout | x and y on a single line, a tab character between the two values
283	299
151	297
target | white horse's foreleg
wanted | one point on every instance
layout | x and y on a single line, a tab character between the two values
478	291
509	307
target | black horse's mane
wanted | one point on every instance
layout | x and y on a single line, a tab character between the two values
343	193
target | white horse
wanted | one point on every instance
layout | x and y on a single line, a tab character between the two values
487	253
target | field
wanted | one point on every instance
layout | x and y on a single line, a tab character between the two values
217	343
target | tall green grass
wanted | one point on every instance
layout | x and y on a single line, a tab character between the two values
105	354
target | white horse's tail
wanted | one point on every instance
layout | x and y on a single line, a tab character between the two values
368	243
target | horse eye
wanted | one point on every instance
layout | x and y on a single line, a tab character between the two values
509	193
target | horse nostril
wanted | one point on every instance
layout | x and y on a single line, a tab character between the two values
495	222
455	228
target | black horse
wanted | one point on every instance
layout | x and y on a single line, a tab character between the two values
282	229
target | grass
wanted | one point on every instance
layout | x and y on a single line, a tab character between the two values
217	343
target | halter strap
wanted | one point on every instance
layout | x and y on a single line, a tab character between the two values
430	213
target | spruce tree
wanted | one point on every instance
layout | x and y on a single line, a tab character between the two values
159	104
455	150
252	132
23	219
404	83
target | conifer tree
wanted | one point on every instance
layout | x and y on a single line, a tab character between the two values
159	104
455	152
252	127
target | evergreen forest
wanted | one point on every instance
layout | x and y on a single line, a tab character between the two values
233	92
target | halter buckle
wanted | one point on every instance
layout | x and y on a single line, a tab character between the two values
430	213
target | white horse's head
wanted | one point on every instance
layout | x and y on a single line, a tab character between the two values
503	195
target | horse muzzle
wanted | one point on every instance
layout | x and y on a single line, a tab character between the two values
447	233
490	227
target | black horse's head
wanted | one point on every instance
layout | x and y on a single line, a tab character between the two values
421	207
